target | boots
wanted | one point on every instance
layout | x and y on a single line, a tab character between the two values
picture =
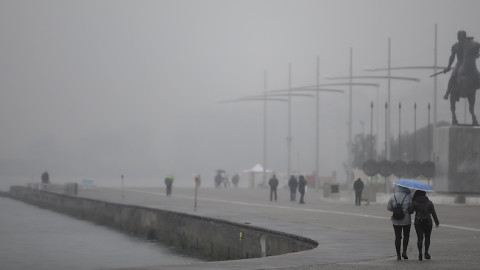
397	248
405	245
427	246
419	245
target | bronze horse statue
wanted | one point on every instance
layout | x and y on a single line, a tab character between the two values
467	80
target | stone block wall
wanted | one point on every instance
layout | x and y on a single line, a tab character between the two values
213	239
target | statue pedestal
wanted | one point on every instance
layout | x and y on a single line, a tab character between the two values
457	166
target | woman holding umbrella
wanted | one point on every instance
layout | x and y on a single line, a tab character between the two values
423	208
403	198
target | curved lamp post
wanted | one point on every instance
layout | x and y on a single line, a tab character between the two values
316	88
388	101
265	98
350	84
434	67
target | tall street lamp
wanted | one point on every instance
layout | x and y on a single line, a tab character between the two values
388	108
435	68
265	98
317	89
350	84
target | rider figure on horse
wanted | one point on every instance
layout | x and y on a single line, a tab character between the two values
465	78
457	50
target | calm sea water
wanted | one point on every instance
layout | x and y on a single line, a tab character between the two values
36	238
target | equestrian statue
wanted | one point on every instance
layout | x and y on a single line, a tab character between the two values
465	78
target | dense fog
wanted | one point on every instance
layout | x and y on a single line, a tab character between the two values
97	89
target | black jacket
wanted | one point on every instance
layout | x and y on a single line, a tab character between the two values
422	203
273	182
301	184
358	185
293	183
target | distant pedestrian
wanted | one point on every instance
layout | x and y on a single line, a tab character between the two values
169	183
218	179
235	180
293	184
302	183
45	178
358	187
226	182
273	183
401	196
424	209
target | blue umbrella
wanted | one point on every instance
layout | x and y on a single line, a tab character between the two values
413	184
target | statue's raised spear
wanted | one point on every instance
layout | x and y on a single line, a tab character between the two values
438	73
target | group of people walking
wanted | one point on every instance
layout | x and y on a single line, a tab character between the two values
293	184
222	178
403	205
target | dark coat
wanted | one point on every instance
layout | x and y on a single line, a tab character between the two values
422	203
293	183
358	185
301	184
273	182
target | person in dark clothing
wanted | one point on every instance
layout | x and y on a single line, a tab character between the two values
169	183
423	209
218	180
358	187
273	183
45	178
301	187
293	184
235	180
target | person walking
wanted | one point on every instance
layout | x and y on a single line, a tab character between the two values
273	183
169	183
358	187
218	179
293	184
235	180
301	188
424	210
45	178
403	199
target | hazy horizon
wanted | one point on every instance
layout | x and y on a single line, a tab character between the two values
97	89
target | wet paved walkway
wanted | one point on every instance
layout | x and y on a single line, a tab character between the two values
349	236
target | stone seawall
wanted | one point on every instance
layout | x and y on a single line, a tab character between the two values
207	237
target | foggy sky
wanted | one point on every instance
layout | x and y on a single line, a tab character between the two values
96	89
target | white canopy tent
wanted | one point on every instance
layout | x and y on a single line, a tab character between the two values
255	171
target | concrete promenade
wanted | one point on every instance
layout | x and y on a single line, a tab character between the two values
349	236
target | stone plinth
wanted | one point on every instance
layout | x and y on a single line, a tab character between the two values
457	166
